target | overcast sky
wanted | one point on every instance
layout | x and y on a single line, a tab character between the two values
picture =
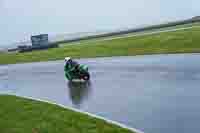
22	18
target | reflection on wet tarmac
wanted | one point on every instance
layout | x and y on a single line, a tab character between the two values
79	92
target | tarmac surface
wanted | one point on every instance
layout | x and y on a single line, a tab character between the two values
152	93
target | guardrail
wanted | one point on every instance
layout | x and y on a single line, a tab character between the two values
31	48
129	31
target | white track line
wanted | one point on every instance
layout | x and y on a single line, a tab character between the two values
83	112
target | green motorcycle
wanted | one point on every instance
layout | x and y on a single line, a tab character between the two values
78	72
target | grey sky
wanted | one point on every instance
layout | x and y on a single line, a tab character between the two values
22	18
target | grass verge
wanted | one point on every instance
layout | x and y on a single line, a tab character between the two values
184	41
20	115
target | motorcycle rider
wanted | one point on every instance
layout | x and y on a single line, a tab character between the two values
71	66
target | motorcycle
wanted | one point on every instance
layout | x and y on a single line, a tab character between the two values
80	72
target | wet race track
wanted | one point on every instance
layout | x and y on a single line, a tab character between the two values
155	94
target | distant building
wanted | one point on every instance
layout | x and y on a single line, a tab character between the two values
39	40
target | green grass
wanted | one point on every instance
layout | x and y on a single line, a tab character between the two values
184	41
20	115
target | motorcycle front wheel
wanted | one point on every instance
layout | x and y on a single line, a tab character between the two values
86	76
